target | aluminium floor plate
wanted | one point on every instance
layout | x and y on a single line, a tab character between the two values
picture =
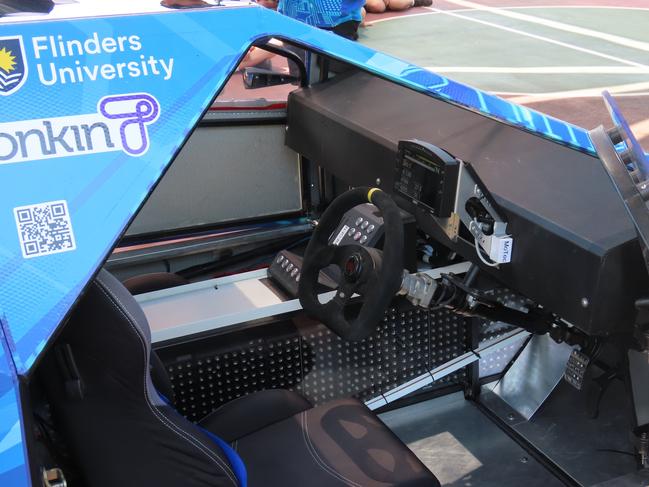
590	450
464	448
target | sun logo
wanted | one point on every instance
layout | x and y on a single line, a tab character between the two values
7	61
13	64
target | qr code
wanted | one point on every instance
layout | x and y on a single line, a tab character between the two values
44	229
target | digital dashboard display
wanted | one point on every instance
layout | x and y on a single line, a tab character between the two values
427	176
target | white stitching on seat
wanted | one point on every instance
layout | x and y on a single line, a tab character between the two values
319	461
159	414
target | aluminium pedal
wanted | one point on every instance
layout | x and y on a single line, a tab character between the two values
576	369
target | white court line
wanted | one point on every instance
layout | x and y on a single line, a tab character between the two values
541	38
522	98
609	7
622	41
524	7
541	69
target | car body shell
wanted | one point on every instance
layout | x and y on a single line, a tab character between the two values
104	179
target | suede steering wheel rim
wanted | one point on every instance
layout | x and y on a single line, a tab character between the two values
373	274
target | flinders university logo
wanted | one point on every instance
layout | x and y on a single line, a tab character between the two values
13	68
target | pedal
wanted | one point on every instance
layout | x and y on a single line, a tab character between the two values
576	369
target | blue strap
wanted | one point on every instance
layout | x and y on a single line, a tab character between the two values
238	467
236	463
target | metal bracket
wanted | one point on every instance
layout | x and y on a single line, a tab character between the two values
418	288
54	477
533	375
639	374
498	245
446	369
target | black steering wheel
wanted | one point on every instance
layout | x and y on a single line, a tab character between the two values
373	274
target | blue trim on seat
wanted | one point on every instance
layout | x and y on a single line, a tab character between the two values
238	467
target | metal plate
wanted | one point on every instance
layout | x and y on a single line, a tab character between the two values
589	450
534	375
462	447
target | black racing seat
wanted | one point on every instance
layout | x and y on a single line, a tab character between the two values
121	431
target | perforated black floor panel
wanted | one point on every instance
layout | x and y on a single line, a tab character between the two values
301	355
408	342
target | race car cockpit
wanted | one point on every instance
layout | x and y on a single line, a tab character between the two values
355	272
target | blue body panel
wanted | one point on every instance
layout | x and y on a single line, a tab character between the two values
14	469
100	108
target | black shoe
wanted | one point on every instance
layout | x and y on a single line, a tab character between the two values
422	3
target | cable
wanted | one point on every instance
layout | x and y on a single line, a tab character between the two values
481	257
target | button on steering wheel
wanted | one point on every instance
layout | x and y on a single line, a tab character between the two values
371	273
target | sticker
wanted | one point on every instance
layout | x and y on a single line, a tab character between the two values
504	250
44	229
341	234
120	124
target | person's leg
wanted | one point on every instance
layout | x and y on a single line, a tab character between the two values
400	4
271	4
347	29
184	3
375	6
406	4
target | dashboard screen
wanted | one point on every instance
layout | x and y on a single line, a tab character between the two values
428	176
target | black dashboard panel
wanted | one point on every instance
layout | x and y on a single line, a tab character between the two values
575	250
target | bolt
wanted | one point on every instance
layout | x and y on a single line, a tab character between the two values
511	416
524	459
378	181
584	302
341	294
